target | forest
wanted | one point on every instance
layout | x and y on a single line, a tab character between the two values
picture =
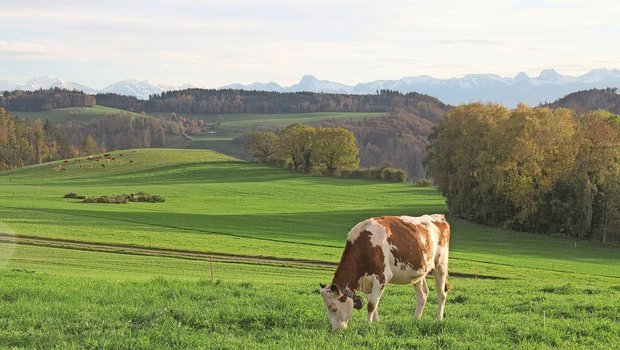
24	142
44	100
590	100
396	140
532	169
208	101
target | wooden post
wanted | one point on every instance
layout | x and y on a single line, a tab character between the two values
211	259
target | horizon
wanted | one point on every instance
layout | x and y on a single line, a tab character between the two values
25	81
219	43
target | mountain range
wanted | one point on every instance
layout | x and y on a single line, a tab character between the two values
138	88
548	86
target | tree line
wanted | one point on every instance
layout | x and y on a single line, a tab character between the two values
590	100
43	100
531	169
228	101
24	142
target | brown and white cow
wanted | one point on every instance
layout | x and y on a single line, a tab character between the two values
389	249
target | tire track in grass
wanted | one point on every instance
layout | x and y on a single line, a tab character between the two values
159	252
187	254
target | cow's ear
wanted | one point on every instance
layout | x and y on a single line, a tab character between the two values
333	288
322	285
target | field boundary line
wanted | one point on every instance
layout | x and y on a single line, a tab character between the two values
160	252
188	254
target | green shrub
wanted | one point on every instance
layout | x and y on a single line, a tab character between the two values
424	183
125	198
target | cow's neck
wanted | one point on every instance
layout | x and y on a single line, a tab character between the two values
347	273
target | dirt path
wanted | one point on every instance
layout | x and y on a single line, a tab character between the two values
160	252
183	254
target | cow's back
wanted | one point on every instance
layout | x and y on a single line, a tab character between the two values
411	246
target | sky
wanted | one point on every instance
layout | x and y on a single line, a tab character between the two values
213	43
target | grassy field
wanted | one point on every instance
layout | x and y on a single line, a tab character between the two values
233	121
515	290
60	115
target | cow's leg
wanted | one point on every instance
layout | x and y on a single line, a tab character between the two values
421	294
373	301
441	285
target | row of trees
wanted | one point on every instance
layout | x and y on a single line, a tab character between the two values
43	100
228	101
533	169
305	148
209	101
24	142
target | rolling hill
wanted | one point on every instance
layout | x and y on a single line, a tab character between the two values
78	274
82	114
590	100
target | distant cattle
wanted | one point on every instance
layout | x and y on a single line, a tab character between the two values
389	249
65	161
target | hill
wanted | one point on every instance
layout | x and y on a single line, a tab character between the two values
590	100
139	274
79	114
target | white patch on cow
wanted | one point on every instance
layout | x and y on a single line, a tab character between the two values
356	230
377	231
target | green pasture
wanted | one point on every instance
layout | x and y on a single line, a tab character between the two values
83	114
511	289
248	120
60	299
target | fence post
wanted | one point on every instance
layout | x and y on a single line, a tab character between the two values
211	259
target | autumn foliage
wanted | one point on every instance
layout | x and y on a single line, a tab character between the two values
534	169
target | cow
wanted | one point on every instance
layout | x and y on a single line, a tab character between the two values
389	249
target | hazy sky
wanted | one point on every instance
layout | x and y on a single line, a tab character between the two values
212	43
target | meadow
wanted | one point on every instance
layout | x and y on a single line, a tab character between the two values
511	289
251	120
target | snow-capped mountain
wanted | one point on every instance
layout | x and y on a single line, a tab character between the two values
548	86
7	85
139	88
45	82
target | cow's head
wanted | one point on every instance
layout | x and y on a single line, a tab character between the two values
339	306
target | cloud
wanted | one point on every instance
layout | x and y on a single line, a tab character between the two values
213	43
486	42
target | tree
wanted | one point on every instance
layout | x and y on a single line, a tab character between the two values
89	146
600	167
295	146
334	148
262	145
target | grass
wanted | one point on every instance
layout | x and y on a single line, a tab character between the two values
554	293
83	114
275	120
